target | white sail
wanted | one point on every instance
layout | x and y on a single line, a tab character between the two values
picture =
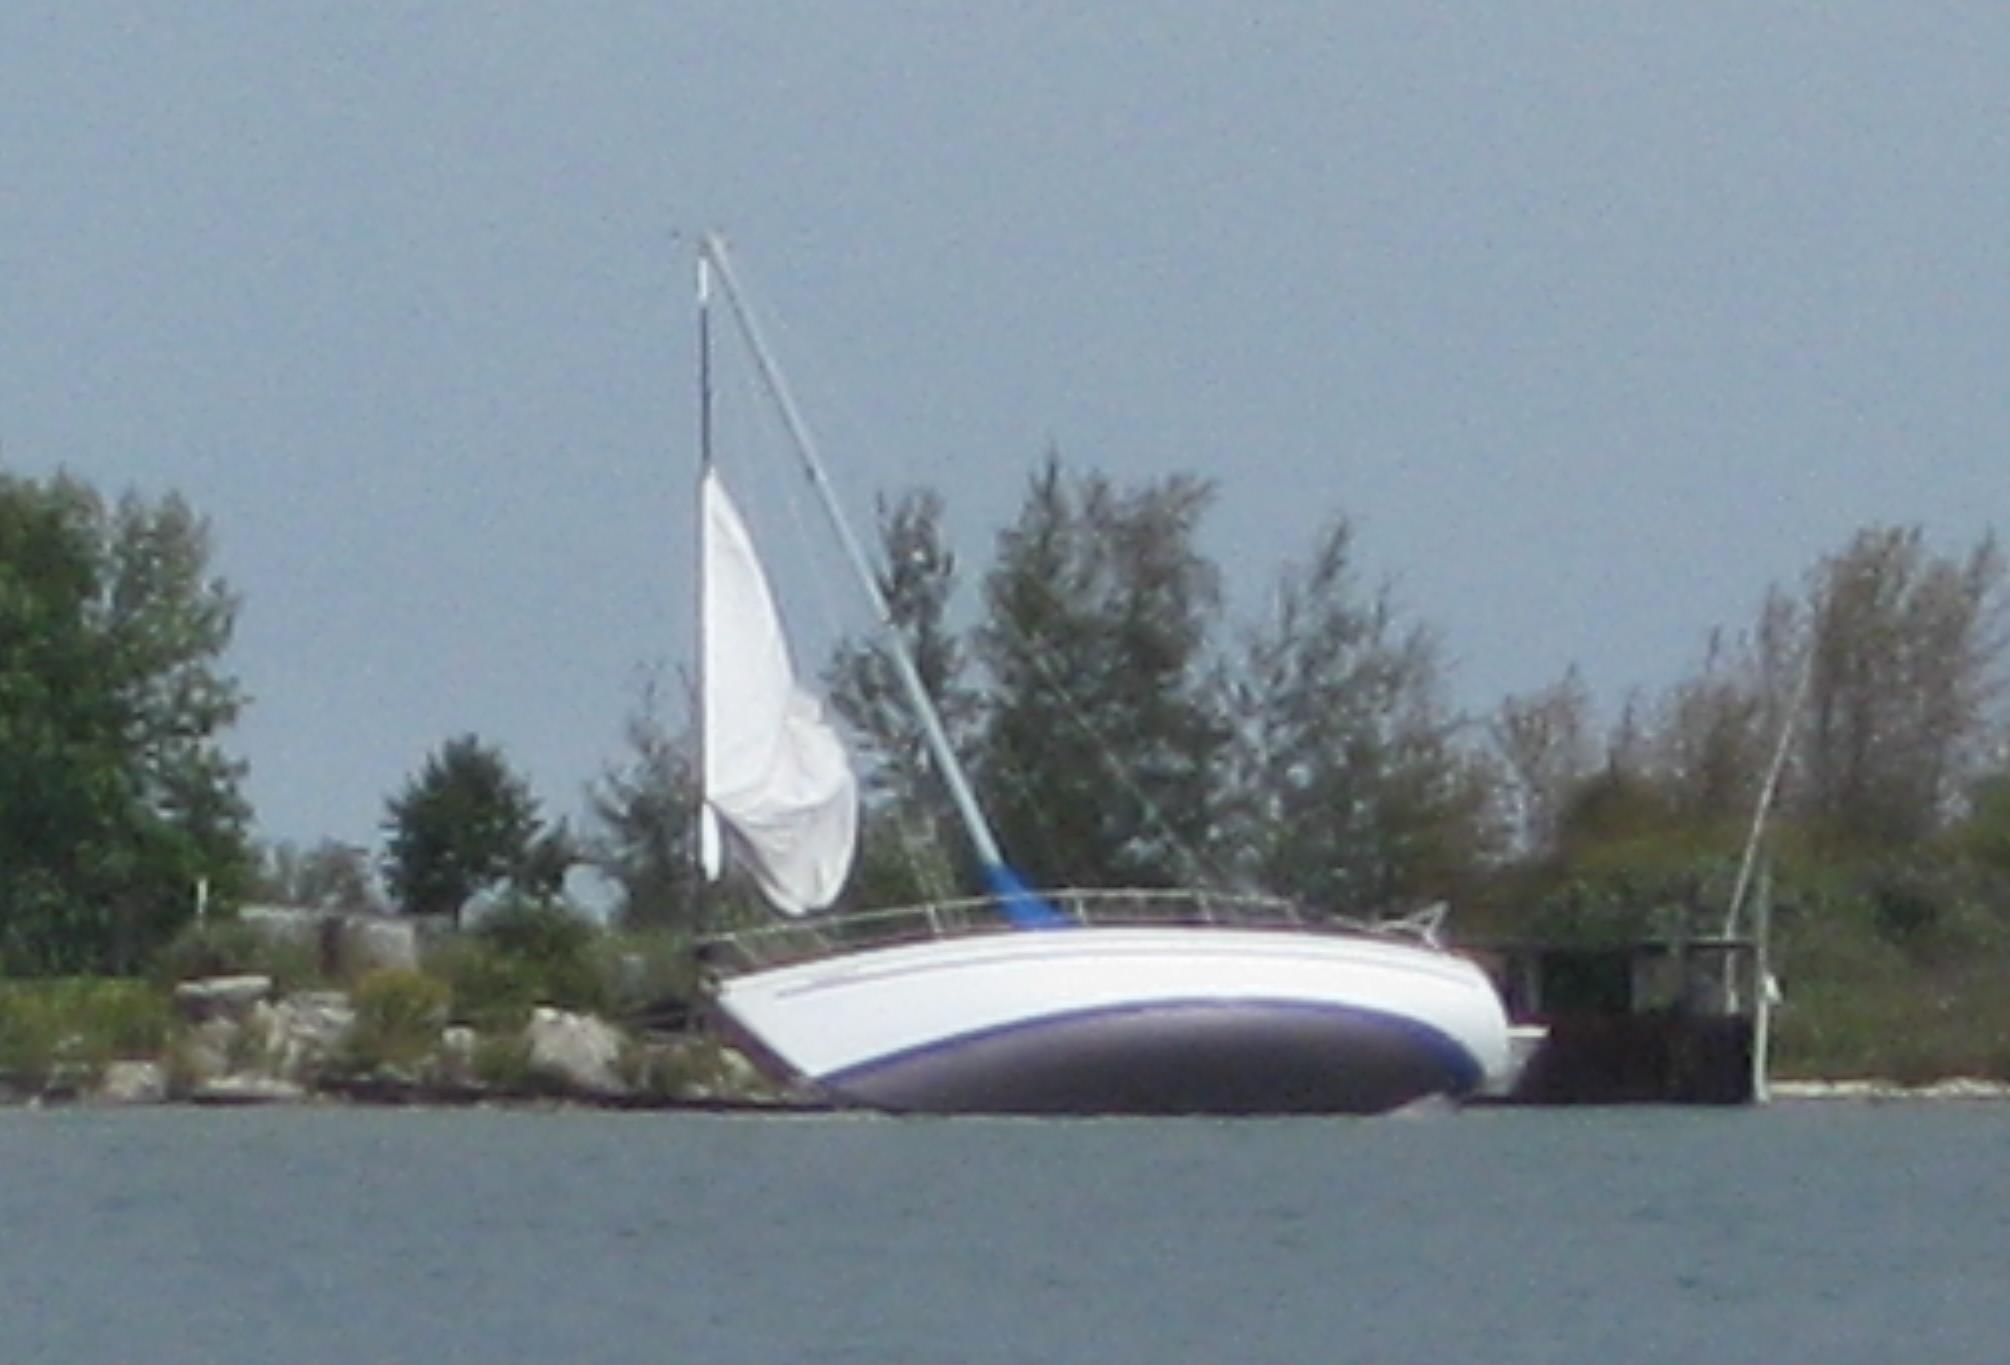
777	781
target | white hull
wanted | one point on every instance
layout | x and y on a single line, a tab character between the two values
1128	1019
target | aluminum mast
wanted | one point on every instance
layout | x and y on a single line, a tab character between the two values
712	248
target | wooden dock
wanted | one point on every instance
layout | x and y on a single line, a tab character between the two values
1648	1022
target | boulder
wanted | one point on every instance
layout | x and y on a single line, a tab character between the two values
304	1030
207	1049
457	1055
220	997
575	1052
370	942
246	1088
741	1079
128	1082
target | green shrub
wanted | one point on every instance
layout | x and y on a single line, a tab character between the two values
399	1015
231	947
487	989
125	1018
535	930
68	1028
1925	1007
519	956
687	1069
31	1033
641	972
503	1064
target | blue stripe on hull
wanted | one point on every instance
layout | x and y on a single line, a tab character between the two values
1187	1057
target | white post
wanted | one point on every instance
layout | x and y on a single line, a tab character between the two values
1762	987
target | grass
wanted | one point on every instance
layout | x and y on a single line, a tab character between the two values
229	947
399	1015
61	1032
1865	1002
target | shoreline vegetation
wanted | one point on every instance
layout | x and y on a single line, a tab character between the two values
532	1009
1310	750
240	1015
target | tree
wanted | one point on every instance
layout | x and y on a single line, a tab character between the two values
329	876
1908	647
908	817
465	825
1105	725
115	797
1358	796
1546	748
645	835
1984	835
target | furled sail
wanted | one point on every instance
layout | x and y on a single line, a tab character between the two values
779	793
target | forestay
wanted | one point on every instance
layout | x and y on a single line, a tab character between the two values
779	792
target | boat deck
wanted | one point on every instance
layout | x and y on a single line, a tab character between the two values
782	943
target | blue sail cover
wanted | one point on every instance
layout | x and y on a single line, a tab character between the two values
1026	908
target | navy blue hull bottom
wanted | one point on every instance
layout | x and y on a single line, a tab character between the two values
1196	1058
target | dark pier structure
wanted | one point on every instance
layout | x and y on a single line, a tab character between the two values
1648	1022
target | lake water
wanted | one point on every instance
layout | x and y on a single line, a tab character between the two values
1808	1232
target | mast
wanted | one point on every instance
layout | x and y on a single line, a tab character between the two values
712	250
702	853
704	365
1769	790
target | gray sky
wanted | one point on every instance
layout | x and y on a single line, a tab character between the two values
1596	319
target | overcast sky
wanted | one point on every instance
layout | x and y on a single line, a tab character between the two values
1595	319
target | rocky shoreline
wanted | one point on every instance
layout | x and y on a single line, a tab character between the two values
240	1042
1882	1092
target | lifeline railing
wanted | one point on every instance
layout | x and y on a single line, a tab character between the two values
784	942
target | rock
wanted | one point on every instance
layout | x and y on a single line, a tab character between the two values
693	1070
1966	1088
305	1030
370	942
454	1063
1953	1088
740	1076
133	1083
575	1051
206	1051
244	1088
220	997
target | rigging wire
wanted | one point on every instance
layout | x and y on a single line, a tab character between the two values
1193	863
920	837
1041	655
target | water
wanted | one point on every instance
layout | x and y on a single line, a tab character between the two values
1804	1232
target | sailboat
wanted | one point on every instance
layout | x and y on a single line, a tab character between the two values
1016	1002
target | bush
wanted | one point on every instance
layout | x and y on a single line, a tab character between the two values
645	974
1894	971
487	989
30	1035
503	1064
67	1029
399	1015
519	956
231	947
537	931
687	1069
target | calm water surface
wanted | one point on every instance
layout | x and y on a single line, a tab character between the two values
1827	1232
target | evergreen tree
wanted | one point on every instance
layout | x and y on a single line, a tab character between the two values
645	835
467	824
1356	796
1105	726
911	845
